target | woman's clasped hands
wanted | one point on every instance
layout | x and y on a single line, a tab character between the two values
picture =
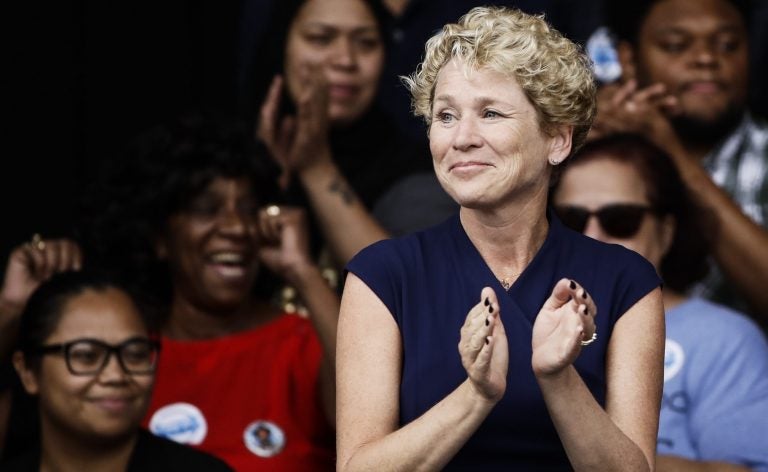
483	347
565	324
563	327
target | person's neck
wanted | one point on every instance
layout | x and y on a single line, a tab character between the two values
671	299
507	238
396	7
700	139
696	149
62	451
189	321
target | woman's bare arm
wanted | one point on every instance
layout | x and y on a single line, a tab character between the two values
285	249
368	378
346	223
300	145
623	436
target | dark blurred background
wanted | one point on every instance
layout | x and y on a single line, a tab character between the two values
86	76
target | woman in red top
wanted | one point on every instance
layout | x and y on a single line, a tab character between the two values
186	217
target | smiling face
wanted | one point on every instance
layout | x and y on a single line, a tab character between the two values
342	38
211	245
109	404
599	182
486	143
698	49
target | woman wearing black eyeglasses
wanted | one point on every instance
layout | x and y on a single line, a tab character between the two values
624	190
85	352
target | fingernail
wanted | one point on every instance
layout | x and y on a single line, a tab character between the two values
487	322
584	295
573	285
585	309
490	309
487	340
487	302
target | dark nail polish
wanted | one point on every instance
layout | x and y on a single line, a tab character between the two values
487	341
487	322
586	310
584	295
573	285
490	309
487	302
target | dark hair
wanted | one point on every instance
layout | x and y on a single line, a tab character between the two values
269	58
43	311
625	19
686	261
161	173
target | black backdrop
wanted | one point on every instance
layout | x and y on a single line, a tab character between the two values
85	76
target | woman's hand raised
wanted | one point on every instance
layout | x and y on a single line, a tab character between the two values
299	141
564	325
483	347
284	241
32	263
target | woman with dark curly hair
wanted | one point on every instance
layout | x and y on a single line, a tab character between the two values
625	190
184	217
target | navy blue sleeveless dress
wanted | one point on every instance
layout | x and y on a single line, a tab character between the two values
429	280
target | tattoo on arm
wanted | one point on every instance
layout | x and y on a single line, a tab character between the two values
338	185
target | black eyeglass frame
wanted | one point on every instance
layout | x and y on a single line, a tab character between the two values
116	349
601	213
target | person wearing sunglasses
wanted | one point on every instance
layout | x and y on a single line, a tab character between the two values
84	350
624	190
685	67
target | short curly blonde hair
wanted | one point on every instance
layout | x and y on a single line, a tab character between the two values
553	72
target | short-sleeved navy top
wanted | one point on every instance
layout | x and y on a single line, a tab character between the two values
429	280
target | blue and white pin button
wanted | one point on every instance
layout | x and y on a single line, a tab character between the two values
180	422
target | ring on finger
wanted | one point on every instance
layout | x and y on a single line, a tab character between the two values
590	340
273	210
37	242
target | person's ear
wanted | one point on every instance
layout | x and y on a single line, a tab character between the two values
627	60
26	374
667	228
560	143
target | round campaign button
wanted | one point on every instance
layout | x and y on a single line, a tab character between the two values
264	438
180	422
